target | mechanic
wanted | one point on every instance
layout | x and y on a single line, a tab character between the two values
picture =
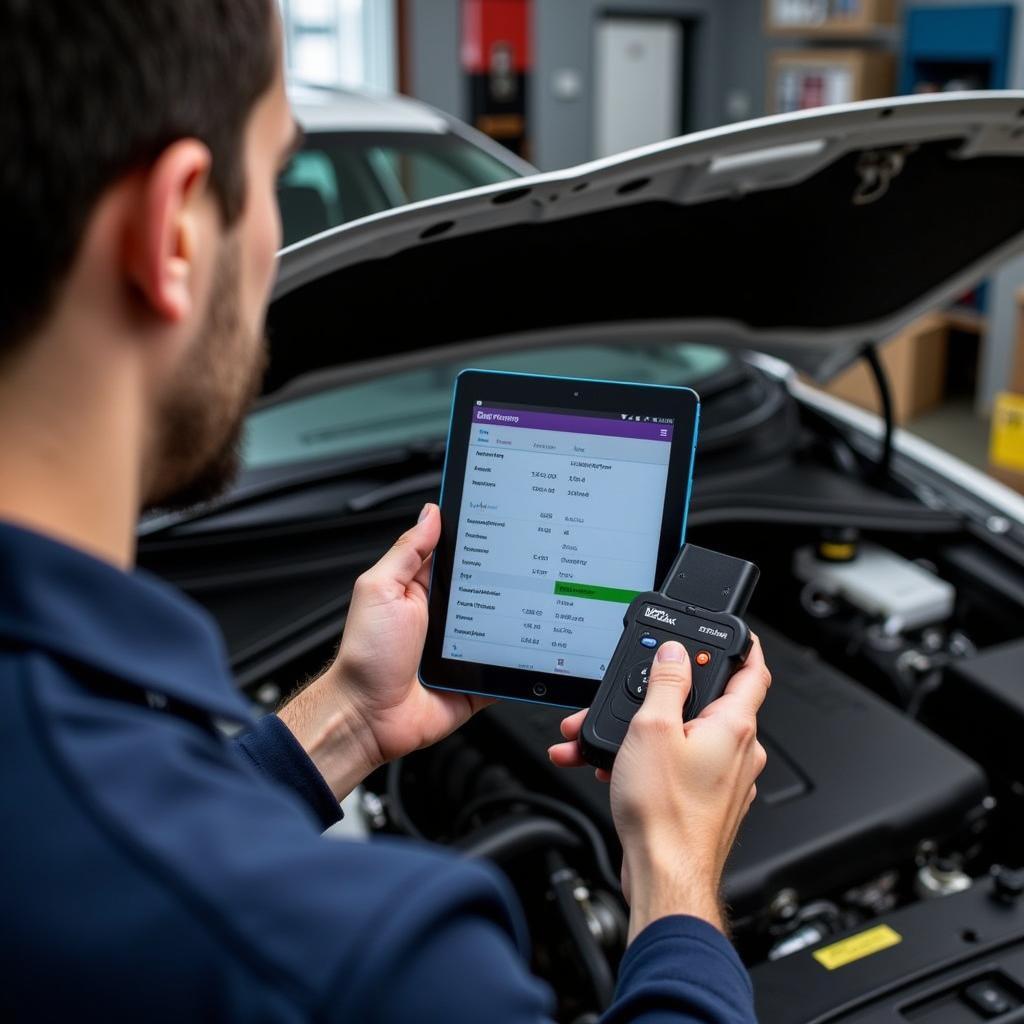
153	869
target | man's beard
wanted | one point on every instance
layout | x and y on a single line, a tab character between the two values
200	422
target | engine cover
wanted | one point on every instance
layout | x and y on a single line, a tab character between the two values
851	788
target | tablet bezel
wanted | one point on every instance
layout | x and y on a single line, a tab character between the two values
577	395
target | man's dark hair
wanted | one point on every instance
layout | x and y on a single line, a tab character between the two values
91	89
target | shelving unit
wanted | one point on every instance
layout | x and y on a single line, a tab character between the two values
801	79
829	19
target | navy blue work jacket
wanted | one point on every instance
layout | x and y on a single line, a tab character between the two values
152	870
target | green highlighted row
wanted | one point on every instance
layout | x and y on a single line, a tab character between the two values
595	593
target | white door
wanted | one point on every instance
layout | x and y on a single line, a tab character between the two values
639	82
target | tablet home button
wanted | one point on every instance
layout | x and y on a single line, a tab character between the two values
539	689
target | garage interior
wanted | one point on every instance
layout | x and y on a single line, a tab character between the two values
561	83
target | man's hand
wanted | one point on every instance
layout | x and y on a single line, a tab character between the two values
680	790
369	706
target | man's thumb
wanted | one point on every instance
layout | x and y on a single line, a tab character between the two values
668	683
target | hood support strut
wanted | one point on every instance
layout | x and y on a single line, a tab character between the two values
870	355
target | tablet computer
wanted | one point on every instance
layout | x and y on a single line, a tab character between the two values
562	499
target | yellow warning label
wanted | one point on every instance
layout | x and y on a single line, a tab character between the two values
1006	448
858	946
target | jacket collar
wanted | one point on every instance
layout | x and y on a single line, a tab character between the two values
131	626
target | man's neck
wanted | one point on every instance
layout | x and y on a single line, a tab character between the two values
69	463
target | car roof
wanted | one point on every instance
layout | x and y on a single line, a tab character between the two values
331	109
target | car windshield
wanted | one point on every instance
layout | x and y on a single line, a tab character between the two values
340	176
398	409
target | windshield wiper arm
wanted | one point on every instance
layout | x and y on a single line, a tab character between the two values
307	475
398	489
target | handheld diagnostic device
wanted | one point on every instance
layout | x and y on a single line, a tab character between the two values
699	604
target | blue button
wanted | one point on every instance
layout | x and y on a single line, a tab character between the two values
648	641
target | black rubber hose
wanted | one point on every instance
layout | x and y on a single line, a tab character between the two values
396	808
563	882
569	815
885	397
507	838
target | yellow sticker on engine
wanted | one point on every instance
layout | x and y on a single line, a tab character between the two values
1006	447
858	946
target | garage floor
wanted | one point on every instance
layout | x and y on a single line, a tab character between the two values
958	429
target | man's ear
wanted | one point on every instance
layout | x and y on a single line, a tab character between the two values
164	237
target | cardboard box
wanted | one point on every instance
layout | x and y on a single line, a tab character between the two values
915	363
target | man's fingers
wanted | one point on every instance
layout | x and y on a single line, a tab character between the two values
403	561
668	683
566	755
749	686
571	726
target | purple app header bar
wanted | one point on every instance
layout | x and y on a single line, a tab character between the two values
571	424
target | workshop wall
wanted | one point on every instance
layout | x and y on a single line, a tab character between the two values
435	31
745	59
561	103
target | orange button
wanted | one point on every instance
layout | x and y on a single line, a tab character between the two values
702	658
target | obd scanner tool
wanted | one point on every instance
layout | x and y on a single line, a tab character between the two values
699	605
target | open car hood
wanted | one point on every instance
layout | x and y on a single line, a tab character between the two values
803	236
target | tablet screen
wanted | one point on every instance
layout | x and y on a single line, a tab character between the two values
558	530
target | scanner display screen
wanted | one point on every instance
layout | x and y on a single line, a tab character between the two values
558	531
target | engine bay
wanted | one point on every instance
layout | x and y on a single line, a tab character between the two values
890	623
880	792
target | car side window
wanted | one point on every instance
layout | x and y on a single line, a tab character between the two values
426	174
308	196
324	187
341	176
